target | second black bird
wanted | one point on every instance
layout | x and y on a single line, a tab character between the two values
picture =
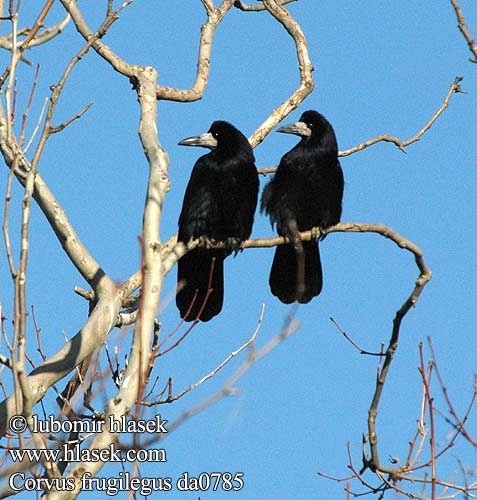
306	192
219	205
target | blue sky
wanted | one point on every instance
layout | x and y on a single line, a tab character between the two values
382	68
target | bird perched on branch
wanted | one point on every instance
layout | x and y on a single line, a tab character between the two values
219	206
305	193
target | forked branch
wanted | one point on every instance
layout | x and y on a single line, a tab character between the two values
207	32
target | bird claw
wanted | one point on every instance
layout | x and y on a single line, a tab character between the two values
317	233
206	242
233	244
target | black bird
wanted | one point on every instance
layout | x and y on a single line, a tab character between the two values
219	205
306	192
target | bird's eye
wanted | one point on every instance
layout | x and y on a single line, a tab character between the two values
310	125
215	134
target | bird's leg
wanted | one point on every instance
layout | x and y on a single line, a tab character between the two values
300	259
295	236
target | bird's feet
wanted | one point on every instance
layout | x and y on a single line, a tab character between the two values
206	242
317	233
233	244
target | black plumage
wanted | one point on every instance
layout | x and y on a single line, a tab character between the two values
306	192
219	205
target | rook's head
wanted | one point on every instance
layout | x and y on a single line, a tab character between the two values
312	127
222	136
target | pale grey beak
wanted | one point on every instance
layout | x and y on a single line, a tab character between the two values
298	128
206	140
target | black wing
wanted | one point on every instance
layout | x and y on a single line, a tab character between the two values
201	214
239	196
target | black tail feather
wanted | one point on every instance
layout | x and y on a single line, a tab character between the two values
200	278
285	280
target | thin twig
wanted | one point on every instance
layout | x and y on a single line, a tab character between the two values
93	40
257	8
16	53
42	37
228	389
430	403
27	109
400	144
248	343
353	343
38	333
37	127
6	222
59	128
460	422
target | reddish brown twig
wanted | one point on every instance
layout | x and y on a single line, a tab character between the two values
430	403
31	35
38	333
460	422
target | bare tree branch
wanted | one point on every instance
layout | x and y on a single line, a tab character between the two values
209	6
306	84
390	477
424	277
6	223
79	255
102	49
92	335
400	144
134	379
290	326
462	25
171	398
353	343
44	36
173	251
103	316
454	88
77	116
460	422
49	33
257	8
430	402
17	53
214	17
207	32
